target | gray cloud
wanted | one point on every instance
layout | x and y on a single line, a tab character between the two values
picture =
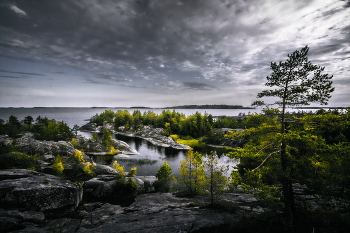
175	45
25	73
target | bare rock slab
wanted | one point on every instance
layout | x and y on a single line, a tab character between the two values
29	190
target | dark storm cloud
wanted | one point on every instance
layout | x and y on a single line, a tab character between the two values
25	73
198	86
8	76
116	34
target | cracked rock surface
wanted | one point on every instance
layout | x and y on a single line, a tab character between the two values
155	212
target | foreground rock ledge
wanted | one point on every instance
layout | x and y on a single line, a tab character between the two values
155	212
30	190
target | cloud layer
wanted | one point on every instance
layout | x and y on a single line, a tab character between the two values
168	48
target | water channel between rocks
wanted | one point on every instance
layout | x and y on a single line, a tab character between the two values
151	157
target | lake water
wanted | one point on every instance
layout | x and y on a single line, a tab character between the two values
151	157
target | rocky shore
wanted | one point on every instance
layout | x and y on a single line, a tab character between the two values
37	202
149	133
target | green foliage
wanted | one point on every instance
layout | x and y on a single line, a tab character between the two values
297	82
88	169
164	177
94	137
18	160
193	143
58	166
107	140
74	142
216	177
192	174
45	129
105	117
78	157
132	171
75	129
119	168
113	151
196	125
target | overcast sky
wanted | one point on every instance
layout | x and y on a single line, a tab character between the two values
160	53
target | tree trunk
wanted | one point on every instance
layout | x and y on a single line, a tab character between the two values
287	188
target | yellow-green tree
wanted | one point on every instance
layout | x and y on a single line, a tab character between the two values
297	82
119	168
216	177
192	173
164	177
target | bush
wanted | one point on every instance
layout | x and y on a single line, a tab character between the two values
18	160
164	177
132	171
119	168
58	166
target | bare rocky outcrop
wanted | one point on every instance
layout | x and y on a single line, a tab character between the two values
155	212
27	143
29	190
96	148
154	136
108	188
147	132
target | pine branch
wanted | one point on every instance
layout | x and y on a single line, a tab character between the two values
266	160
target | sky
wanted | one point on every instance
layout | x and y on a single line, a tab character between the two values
163	53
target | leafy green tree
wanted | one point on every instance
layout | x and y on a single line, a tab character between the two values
28	120
76	129
164	177
216	178
192	173
107	140
13	126
2	127
94	137
298	82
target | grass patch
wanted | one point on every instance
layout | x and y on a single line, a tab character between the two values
194	143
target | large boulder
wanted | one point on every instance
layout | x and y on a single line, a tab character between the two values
30	190
27	143
108	188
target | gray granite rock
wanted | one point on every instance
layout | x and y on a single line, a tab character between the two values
29	190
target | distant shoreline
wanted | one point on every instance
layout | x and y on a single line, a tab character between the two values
178	107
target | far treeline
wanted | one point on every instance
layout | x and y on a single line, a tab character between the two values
196	126
210	106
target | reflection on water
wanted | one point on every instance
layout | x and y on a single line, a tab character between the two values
151	157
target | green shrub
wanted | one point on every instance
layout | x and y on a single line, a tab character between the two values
18	160
132	171
164	177
58	166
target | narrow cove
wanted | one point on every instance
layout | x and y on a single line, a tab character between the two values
151	157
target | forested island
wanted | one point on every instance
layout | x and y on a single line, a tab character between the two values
293	172
210	106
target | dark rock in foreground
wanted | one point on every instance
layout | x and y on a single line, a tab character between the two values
156	212
29	190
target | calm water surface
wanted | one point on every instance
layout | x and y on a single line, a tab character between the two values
151	157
